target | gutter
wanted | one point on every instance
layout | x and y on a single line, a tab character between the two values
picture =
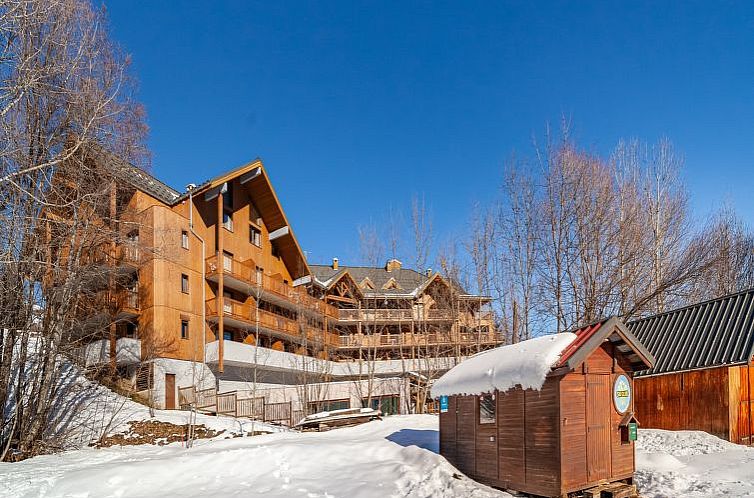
204	269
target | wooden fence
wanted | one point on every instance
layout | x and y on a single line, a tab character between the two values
230	404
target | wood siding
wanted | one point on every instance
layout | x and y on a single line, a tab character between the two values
741	404
448	431
466	434
542	434
696	400
486	449
511	442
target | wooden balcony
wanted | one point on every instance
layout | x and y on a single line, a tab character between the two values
417	340
129	255
246	316
379	315
243	277
127	304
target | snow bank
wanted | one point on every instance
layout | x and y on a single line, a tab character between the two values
524	364
395	457
692	464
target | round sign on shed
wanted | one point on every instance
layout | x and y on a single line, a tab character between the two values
622	394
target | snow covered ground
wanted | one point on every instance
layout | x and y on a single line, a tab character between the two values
692	464
394	457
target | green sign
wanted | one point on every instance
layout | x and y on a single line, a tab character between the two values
632	431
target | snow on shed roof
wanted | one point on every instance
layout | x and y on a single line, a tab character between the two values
524	364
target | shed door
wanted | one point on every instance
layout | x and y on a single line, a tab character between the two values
598	411
170	391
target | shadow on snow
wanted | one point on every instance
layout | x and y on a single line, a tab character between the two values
427	439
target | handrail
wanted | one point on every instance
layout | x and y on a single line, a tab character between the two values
246	271
271	321
408	339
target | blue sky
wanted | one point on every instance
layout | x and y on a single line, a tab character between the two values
356	106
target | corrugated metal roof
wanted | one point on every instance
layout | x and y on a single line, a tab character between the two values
709	334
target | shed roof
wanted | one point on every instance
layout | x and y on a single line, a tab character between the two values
528	363
712	333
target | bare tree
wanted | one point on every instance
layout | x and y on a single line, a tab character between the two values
65	95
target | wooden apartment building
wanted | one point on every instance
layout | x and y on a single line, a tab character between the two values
219	263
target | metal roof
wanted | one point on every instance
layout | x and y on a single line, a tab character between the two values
709	334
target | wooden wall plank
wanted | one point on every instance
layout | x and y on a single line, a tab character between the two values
542	439
695	400
511	448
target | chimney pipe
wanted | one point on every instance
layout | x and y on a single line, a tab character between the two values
335	263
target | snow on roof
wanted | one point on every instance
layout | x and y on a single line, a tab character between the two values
524	364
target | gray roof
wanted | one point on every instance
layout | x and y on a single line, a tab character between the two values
712	333
136	177
409	280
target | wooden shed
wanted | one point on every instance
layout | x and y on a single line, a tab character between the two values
548	416
703	378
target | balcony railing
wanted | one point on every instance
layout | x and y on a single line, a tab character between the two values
128	254
397	315
249	317
369	315
280	292
408	340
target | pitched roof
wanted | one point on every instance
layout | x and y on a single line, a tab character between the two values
409	280
590	337
136	177
527	364
252	174
708	334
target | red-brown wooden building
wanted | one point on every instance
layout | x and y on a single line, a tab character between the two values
703	378
570	434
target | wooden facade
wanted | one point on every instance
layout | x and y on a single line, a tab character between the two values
715	400
560	439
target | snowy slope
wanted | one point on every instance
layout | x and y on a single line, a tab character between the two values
393	457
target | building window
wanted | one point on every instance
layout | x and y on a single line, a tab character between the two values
228	336
255	236
275	250
329	405
184	329
487	409
184	283
228	221
260	274
227	262
184	239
